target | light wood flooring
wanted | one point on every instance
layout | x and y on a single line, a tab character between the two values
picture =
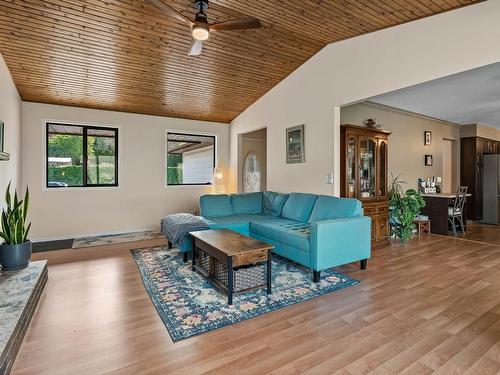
482	232
430	306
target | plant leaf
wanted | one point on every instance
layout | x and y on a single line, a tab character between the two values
16	199
13	218
7	196
25	206
26	232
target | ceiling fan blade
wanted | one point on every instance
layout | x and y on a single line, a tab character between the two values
196	48
168	10
241	24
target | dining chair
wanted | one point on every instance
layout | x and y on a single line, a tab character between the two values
457	210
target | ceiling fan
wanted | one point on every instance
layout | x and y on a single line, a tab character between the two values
200	28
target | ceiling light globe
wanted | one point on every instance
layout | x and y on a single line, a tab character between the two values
200	32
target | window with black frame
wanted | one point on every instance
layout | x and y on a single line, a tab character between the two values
190	159
81	156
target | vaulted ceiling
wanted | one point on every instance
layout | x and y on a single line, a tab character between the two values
124	55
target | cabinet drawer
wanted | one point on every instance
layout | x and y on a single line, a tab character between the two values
369	210
383	209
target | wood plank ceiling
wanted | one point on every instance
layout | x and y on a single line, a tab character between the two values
123	55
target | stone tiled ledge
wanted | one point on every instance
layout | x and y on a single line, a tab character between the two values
20	292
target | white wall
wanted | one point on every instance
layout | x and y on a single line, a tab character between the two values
355	69
10	114
406	143
141	199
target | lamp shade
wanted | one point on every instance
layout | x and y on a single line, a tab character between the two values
218	181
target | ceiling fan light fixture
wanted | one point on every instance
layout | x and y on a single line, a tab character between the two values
200	32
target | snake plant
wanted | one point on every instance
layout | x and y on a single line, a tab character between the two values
14	229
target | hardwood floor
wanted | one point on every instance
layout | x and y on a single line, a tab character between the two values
483	233
430	306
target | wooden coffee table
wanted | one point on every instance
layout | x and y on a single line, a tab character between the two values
222	255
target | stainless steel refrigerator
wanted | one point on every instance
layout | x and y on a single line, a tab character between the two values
491	189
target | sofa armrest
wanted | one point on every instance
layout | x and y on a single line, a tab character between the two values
340	241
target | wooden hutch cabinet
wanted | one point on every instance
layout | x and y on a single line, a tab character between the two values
364	155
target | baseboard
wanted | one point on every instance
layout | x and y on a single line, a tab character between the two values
38	247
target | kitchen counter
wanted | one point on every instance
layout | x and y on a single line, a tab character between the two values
436	207
442	195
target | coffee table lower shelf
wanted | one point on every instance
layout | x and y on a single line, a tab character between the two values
215	281
252	272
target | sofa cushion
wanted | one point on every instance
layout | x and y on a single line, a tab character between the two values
273	203
327	208
290	232
215	205
238	223
250	203
298	206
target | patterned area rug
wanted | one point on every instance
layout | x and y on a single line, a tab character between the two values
189	305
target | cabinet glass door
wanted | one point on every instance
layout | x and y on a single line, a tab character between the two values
382	160
351	168
367	186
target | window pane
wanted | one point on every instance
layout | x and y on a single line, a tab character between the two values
65	156
190	159
101	157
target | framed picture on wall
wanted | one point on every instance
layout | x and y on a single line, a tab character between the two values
3	155
295	152
1	136
427	138
428	160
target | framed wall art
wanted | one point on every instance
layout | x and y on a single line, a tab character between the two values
427	138
3	155
2	142
428	160
295	152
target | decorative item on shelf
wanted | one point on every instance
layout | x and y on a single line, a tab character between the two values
439	181
427	185
372	123
427	138
15	251
295	152
218	181
428	160
404	207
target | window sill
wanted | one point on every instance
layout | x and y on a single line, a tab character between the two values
203	186
82	188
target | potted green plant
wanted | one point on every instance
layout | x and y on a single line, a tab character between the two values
15	251
404	206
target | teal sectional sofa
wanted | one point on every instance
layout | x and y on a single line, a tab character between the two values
316	231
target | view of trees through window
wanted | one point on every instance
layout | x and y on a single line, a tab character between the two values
81	156
190	159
